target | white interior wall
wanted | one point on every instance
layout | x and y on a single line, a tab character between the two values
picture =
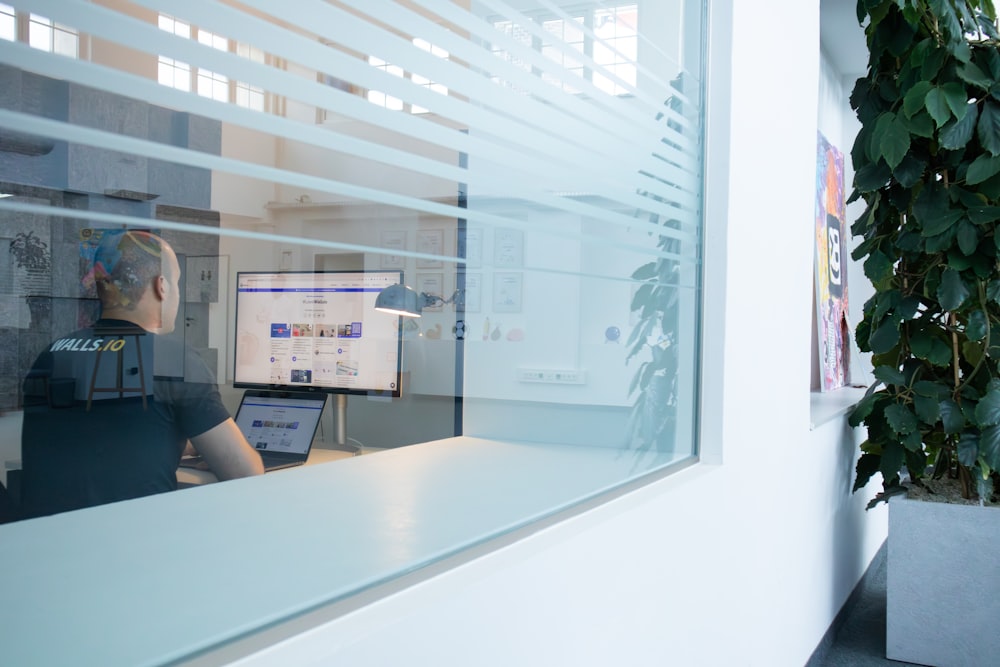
712	565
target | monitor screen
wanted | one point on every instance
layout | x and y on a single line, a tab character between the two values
317	330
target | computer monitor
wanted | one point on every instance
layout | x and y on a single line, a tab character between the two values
317	330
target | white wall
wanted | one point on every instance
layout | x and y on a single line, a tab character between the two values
742	563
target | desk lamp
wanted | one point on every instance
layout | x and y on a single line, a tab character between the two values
402	300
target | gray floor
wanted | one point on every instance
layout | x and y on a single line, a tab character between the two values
859	636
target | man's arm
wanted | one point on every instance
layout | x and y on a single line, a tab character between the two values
227	452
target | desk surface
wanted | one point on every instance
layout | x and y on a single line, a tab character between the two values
187	477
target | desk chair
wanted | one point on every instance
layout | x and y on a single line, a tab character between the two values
119	387
8	508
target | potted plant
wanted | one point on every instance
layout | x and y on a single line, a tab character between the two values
653	341
927	164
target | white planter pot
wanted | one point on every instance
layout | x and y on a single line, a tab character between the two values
943	584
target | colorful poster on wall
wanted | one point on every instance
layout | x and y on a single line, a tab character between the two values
831	276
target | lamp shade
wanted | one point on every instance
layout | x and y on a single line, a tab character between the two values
399	300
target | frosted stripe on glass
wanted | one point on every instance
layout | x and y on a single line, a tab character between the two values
29	124
140	35
129	85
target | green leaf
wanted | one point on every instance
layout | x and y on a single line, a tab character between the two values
862	334
937	106
959	260
908	308
932	208
988	409
885	302
989	61
878	267
993	291
872	176
909	171
968	449
982	215
930	389
938	223
956	98
909	242
645	272
913	441
893	456
952	419
988	127
971	73
889	375
879	130
862	410
895	142
968	237
978	325
927	409
901	39
932	64
989	446
922	344
884	338
968	198
867	466
914	101
940	354
983	167
921	125
957	134
972	352
643	296
952	292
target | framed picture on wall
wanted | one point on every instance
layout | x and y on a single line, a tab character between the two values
473	293
507	292
430	242
393	242
469	244
508	248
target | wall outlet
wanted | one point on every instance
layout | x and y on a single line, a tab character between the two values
551	376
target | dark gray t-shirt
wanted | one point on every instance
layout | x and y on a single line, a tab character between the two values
75	455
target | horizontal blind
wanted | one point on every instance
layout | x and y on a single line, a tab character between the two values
514	126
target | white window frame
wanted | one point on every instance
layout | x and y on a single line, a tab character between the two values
588	46
205	82
386	101
40	32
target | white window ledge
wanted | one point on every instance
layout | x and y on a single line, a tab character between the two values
193	566
827	406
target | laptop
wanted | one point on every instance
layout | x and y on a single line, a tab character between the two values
280	425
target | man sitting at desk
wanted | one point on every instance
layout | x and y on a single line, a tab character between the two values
109	409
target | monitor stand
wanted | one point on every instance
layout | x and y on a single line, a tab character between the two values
339	414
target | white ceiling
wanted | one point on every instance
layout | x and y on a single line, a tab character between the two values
842	39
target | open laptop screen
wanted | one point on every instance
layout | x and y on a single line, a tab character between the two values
280	422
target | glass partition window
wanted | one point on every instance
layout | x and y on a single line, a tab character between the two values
542	202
